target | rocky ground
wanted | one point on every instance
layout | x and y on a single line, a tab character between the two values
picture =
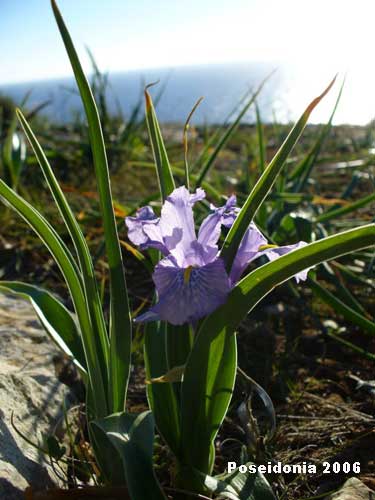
31	392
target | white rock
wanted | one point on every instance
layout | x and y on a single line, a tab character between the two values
30	389
353	489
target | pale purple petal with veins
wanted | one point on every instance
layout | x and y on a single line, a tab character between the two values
187	295
247	252
177	212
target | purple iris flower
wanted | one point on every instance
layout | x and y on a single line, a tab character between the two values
191	279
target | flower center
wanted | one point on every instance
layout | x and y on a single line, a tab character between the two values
187	273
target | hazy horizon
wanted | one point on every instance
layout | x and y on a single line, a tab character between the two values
284	97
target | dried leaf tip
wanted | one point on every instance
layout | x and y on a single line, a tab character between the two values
316	101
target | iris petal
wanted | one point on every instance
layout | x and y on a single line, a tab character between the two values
144	230
177	212
185	297
209	232
247	252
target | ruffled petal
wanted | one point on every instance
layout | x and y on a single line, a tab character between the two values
186	295
247	252
144	230
199	195
209	232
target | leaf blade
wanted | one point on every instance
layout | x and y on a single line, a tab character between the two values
264	184
120	320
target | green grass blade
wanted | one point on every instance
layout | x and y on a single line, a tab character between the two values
303	170
264	184
120	323
343	309
71	275
163	168
352	276
185	142
352	347
227	134
84	258
54	316
215	136
341	292
351	207
260	135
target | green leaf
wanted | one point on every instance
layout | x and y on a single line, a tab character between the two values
264	185
54	316
227	134
260	135
162	398
210	369
351	207
252	288
179	344
343	309
89	280
133	438
73	279
303	170
185	142
352	347
120	322
163	168
233	486
205	395
341	292
248	486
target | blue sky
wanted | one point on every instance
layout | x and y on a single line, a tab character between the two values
134	34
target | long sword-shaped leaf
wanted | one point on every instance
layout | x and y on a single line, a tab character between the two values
161	397
352	347
228	133
264	184
91	290
163	168
339	212
203	400
71	275
54	316
212	364
303	170
260	135
120	323
339	306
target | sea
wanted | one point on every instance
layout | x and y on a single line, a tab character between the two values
286	93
